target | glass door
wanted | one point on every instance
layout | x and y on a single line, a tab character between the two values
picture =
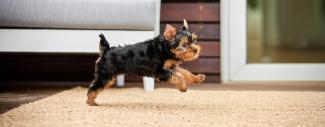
273	40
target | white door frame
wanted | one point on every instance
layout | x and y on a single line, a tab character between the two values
234	67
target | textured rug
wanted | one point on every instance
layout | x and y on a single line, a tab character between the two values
167	107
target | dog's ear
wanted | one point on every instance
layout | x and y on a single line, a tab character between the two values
185	25
170	32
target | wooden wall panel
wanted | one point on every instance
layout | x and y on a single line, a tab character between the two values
203	65
210	48
205	31
212	78
170	1
204	19
192	12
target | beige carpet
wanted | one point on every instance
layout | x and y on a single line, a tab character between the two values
167	107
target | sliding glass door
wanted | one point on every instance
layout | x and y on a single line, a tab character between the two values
273	40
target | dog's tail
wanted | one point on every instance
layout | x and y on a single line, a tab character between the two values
103	44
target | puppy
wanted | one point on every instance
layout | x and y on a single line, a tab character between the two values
159	57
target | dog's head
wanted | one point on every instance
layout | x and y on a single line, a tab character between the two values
182	42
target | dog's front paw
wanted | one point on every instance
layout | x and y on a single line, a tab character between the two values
200	78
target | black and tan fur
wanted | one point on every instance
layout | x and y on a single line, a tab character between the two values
159	57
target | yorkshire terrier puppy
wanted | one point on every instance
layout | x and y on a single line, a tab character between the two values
159	57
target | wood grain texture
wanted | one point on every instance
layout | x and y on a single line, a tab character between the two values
203	65
193	12
169	1
205	31
210	48
204	19
212	78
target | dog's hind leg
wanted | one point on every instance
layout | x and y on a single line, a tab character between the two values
102	80
96	87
